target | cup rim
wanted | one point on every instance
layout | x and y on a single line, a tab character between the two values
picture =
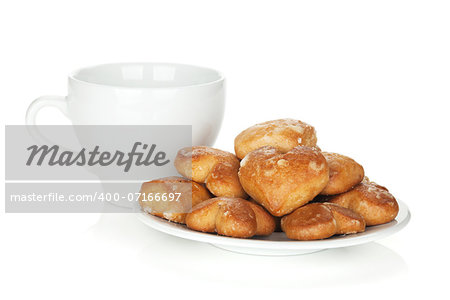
72	76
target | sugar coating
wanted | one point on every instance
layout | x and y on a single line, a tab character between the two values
244	161
379	193
315	167
168	215
282	163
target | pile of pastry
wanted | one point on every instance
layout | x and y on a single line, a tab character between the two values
278	180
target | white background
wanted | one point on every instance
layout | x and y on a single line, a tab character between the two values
371	76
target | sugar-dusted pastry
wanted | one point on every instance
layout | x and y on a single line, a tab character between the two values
282	182
283	134
372	201
216	168
317	221
160	197
344	173
232	217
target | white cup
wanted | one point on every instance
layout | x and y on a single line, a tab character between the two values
143	94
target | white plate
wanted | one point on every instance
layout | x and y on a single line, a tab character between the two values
277	243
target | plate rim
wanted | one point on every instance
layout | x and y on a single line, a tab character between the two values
377	232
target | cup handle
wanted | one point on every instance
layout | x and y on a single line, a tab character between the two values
59	102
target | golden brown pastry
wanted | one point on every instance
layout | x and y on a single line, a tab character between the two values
314	221
232	217
282	182
283	134
344	173
277	219
216	168
347	220
372	201
191	193
265	222
317	221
